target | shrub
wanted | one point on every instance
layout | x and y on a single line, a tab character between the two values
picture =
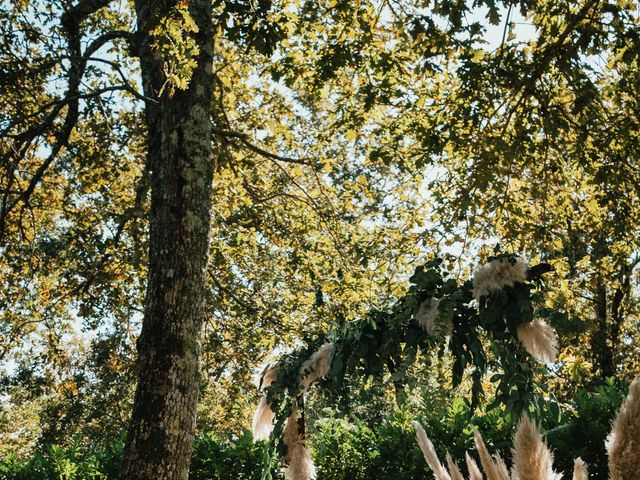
215	458
352	450
581	432
346	449
74	462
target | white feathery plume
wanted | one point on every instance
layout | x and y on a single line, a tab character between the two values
427	314
532	459
297	462
539	339
580	470
623	443
453	469
317	366
430	454
472	466
494	469
264	416
497	274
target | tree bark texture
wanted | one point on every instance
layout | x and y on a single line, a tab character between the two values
161	432
610	318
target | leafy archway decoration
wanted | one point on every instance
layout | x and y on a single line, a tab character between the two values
497	305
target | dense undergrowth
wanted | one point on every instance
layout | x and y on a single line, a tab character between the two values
350	449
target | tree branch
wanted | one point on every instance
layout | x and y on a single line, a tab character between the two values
538	270
244	138
70	21
547	56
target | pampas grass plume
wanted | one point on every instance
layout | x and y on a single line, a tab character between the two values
501	468
297	463
453	469
263	417
532	459
472	466
430	453
539	339
317	366
623	443
580	470
497	274
427	314
494	469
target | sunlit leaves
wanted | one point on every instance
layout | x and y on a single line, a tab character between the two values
174	43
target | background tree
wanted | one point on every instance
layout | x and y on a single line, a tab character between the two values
549	169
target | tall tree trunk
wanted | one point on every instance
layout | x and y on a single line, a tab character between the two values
600	342
161	432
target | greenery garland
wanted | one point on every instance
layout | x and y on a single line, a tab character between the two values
393	339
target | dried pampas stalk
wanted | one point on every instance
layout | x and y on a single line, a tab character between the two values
580	470
494	469
297	463
453	469
430	453
264	416
623	443
539	339
472	466
532	459
317	366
